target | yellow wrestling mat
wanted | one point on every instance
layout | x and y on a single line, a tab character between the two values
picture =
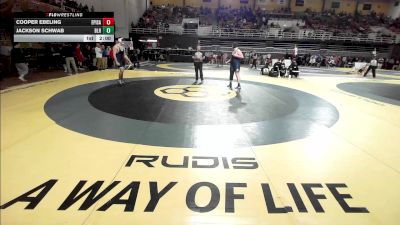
347	173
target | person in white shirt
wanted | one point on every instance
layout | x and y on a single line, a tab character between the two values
99	56
372	66
198	65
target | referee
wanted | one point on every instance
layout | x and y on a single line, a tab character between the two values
372	66
198	65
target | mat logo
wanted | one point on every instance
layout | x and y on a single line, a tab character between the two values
194	93
101	195
190	92
194	162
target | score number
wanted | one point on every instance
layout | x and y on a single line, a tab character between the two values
108	22
108	26
108	30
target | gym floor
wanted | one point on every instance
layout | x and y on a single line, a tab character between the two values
319	149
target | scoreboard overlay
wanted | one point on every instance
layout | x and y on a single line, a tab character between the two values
64	27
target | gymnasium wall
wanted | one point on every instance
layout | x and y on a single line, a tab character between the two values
313	5
170	41
166	2
198	3
347	6
272	4
125	12
378	6
237	3
206	3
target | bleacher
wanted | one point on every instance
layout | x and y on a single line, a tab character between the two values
279	47
281	25
274	33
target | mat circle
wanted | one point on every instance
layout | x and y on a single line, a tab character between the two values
139	100
383	92
260	114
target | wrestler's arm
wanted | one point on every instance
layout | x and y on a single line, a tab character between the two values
115	49
229	60
127	58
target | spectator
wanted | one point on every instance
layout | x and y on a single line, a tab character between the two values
68	52
93	56
105	56
79	56
86	51
136	61
109	58
396	65
390	64
254	60
99	56
19	60
380	62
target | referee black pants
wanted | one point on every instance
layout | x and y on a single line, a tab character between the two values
198	67
254	64
373	68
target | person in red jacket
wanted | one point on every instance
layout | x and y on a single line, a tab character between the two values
79	55
111	54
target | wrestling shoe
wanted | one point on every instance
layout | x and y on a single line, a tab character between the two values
22	78
128	67
121	82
